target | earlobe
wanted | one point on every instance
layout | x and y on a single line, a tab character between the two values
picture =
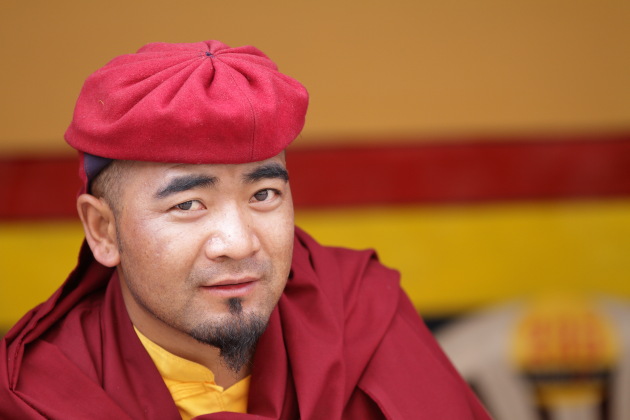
100	229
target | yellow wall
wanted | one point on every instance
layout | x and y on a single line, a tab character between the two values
374	68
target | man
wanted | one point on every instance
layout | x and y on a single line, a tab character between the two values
194	294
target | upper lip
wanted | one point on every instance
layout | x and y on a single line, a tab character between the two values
232	281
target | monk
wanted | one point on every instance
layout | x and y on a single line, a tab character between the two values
195	296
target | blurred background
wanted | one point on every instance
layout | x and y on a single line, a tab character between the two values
482	148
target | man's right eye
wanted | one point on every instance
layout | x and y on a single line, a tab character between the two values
189	205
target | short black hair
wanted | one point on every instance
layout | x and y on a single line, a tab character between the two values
107	184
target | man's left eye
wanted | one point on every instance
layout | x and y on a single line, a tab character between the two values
264	195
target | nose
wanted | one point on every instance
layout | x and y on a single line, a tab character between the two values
232	235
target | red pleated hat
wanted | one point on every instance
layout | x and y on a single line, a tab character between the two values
198	102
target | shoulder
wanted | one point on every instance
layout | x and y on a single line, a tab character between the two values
388	351
347	288
352	283
79	327
409	359
356	271
42	358
75	339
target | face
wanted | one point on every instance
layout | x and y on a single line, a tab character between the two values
204	247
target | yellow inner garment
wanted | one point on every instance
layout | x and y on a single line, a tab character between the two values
192	385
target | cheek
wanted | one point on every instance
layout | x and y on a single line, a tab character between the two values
155	248
278	236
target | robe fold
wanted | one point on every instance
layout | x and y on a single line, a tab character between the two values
344	342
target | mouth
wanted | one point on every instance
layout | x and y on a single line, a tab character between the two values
231	287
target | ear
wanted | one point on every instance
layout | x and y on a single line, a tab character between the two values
100	229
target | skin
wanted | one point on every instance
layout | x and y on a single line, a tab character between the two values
179	230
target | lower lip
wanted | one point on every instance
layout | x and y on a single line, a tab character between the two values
230	290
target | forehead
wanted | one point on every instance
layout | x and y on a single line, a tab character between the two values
155	173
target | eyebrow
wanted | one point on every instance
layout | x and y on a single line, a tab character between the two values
185	183
272	170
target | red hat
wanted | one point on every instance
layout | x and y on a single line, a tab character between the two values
198	102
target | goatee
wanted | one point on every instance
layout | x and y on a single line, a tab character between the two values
236	336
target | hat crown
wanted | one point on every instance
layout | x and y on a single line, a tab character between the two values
198	102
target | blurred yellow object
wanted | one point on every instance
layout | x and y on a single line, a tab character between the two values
560	356
559	334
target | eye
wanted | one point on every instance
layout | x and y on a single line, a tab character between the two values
265	195
189	205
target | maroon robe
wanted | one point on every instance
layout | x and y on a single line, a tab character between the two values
343	343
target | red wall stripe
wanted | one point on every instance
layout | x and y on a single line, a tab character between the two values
463	172
37	188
